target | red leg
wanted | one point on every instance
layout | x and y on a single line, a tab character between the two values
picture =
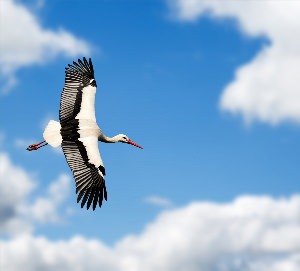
36	146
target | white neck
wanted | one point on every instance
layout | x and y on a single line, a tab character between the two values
106	139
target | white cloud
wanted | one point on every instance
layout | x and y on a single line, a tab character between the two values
250	233
158	201
15	186
267	88
24	42
36	254
45	209
18	214
208	236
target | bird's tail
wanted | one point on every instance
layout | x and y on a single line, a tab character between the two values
52	133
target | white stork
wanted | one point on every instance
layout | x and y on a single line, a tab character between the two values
78	133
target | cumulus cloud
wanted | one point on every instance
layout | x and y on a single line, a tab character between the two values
15	186
209	236
45	209
36	254
250	233
25	42
18	215
267	88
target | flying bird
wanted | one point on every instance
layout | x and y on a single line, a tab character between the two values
78	133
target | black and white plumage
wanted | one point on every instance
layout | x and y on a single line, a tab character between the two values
78	133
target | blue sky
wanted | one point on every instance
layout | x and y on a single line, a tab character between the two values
168	77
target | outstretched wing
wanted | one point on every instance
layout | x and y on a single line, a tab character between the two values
79	133
78	96
83	157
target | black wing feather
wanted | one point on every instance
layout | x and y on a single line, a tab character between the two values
89	181
77	77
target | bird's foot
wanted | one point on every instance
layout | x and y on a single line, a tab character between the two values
32	147
36	146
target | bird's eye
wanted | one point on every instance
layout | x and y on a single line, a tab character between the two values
124	137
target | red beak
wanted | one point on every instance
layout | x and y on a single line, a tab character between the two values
134	144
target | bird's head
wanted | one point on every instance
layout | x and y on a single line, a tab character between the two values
124	139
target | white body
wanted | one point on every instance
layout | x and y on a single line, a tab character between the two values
88	128
89	133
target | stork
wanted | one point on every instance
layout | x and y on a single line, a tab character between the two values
78	133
